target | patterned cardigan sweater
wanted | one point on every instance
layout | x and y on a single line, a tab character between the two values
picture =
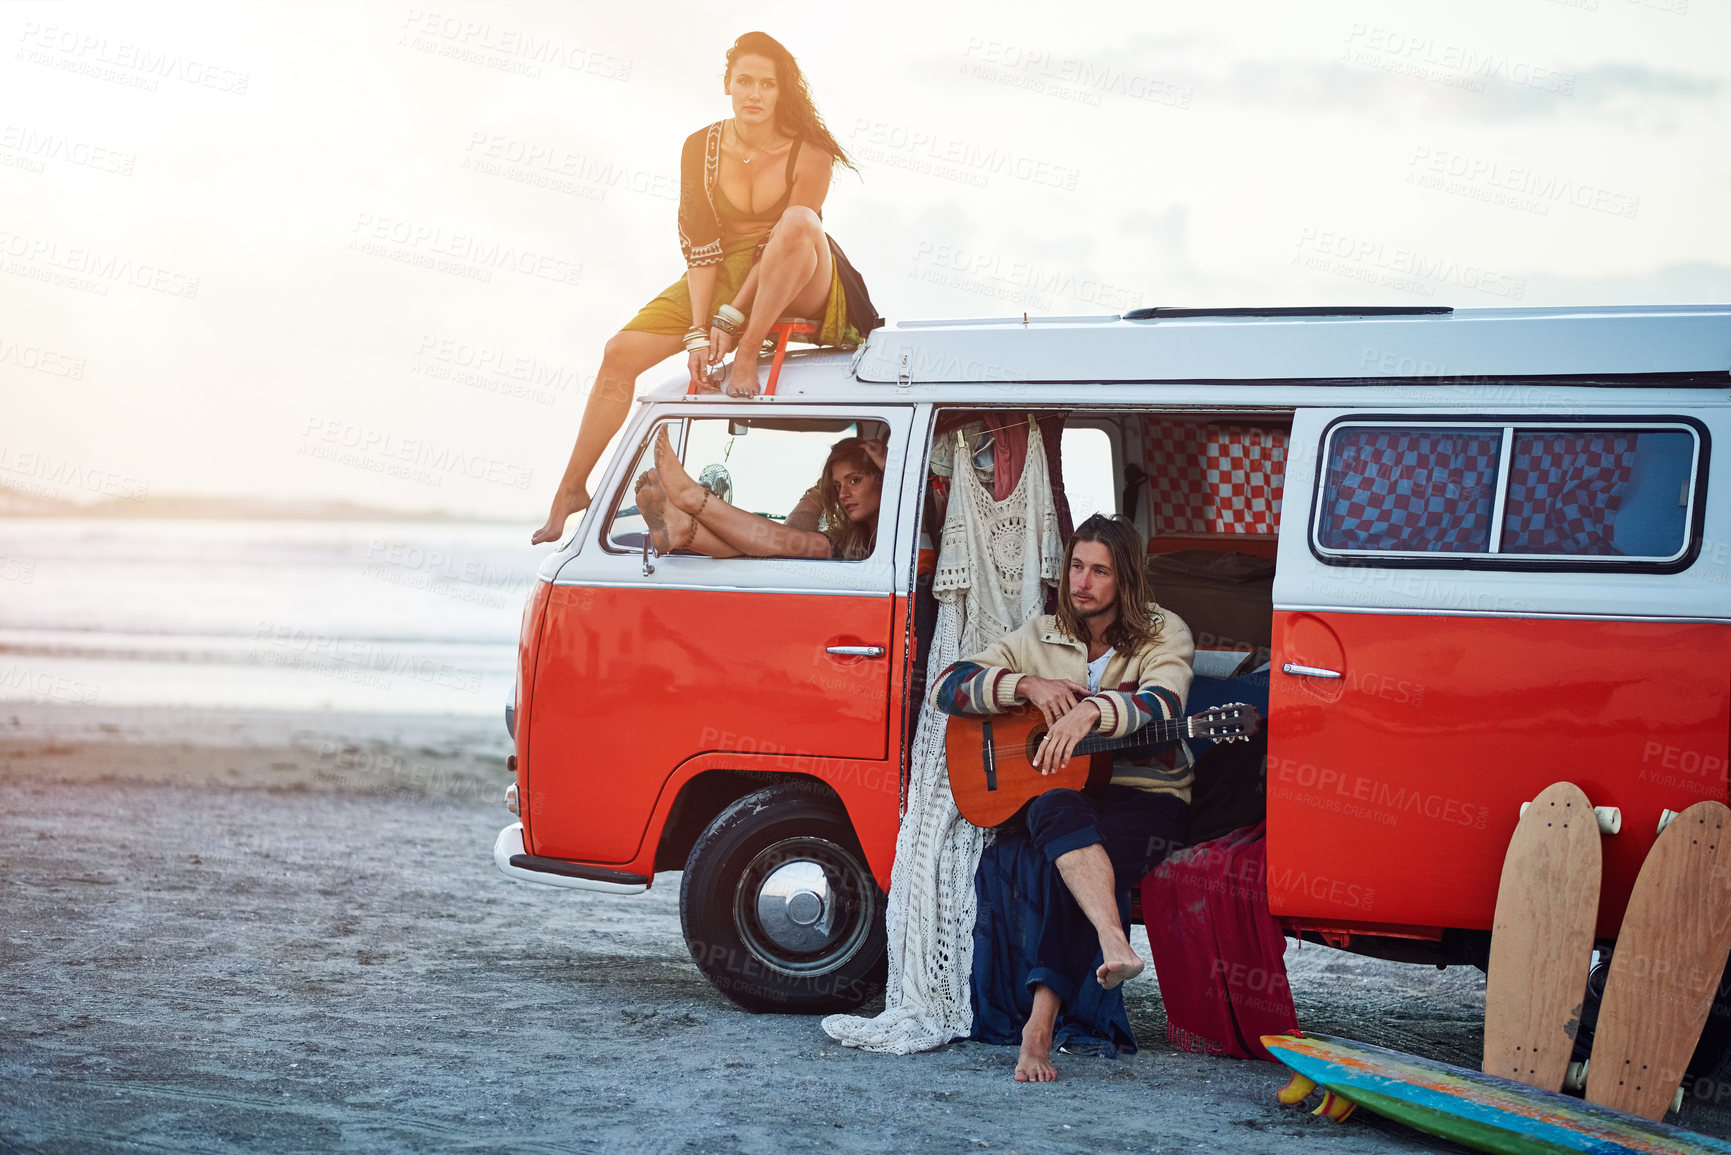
1150	685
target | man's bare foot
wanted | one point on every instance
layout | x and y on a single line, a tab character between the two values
742	379
564	505
681	491
1122	964
1034	1063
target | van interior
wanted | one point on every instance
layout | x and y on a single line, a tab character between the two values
1204	490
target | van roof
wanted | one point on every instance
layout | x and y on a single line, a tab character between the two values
1655	345
1234	345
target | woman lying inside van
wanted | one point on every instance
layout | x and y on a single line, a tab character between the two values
837	518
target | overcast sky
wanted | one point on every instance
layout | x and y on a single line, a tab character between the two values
315	251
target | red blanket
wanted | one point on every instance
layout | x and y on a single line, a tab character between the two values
1218	953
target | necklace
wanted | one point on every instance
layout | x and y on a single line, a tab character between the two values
740	145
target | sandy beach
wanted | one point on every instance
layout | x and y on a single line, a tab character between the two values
264	932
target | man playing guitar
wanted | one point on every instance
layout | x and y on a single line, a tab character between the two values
1107	633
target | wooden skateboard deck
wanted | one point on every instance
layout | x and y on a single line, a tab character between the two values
1477	1110
1542	939
1665	969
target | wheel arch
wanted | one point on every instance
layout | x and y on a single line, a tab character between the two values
869	793
702	798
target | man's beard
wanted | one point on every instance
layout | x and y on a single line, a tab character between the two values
1083	615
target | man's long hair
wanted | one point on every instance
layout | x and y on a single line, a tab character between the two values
1138	623
852	539
795	114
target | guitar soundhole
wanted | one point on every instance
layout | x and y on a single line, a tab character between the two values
1035	737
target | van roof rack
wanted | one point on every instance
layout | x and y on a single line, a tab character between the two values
1163	313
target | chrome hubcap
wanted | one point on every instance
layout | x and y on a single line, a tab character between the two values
804	906
794	907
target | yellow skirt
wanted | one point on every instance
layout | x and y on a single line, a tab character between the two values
670	311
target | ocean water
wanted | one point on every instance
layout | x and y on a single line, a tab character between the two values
357	617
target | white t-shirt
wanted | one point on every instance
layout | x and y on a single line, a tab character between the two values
1097	670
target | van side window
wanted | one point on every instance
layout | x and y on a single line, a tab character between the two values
1504	494
1600	492
1424	490
765	466
1090	479
1210	477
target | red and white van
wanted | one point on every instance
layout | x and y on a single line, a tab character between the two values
1501	557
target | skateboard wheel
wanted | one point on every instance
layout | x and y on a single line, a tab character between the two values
1610	818
1677	1101
1665	817
1575	1078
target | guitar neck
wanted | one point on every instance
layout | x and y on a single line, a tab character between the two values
1153	734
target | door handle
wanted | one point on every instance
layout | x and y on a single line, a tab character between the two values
1299	671
856	651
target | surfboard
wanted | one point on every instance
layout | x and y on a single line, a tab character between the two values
1477	1110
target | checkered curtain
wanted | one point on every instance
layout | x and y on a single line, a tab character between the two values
1214	478
1411	490
1564	491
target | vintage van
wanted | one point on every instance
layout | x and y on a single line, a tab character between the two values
1480	551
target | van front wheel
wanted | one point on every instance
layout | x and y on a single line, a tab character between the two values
779	908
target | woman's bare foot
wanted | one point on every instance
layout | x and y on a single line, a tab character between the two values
1122	964
564	505
681	529
1034	1063
669	526
742	379
651	503
681	491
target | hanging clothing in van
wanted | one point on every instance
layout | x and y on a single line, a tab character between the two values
996	562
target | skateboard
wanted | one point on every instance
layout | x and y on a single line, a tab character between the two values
1476	1110
1665	969
1542	939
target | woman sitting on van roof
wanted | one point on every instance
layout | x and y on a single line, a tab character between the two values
755	250
838	518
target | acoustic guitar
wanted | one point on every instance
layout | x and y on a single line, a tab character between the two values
991	756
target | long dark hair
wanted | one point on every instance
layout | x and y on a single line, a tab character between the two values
795	114
1138	623
852	539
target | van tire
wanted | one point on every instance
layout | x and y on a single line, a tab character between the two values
780	910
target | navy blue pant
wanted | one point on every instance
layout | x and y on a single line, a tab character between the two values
1138	830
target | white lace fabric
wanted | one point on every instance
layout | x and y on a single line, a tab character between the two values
990	551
